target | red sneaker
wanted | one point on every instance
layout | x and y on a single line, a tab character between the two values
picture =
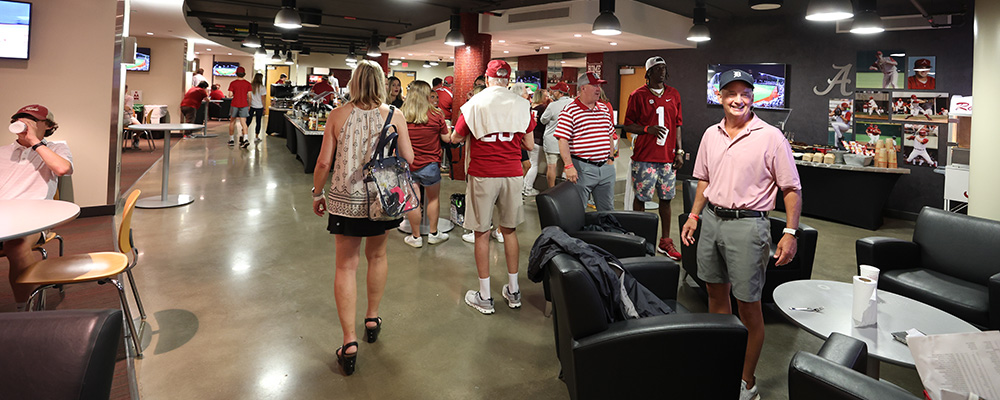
667	247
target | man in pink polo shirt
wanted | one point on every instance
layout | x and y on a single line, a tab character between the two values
741	165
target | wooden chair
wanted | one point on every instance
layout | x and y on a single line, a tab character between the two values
102	267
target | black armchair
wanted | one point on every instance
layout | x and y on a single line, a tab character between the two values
799	268
838	373
696	356
953	263
561	206
67	354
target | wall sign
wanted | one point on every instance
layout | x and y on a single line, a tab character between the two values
842	78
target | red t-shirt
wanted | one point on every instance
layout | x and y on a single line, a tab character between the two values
646	108
193	97
426	140
444	100
240	88
913	83
497	155
321	87
217	95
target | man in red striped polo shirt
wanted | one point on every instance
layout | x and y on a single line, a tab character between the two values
584	131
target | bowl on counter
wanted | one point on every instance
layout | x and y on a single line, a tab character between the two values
857	160
838	156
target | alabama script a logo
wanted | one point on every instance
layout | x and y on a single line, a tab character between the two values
841	79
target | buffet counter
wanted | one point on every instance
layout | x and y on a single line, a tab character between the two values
276	121
302	142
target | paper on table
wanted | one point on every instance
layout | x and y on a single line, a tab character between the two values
865	307
869	272
959	362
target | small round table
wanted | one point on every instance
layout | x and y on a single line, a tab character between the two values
25	217
895	313
165	199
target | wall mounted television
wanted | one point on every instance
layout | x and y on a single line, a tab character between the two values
314	79
224	68
15	29
142	58
769	83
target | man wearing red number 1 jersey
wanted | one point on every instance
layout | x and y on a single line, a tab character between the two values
500	125
654	115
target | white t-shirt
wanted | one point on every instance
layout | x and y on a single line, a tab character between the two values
196	79
24	175
257	97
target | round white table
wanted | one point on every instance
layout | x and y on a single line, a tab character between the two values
895	313
24	217
166	200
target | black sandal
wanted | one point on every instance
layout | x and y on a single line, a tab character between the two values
371	334
347	361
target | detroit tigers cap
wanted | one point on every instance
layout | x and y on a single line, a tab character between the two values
37	111
561	86
590	78
498	69
735	75
654	61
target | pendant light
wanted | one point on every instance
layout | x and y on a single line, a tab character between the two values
455	37
252	40
829	10
276	57
288	17
764	5
373	50
699	32
607	24
427	64
867	21
288	58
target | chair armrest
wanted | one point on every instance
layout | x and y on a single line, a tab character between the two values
847	351
658	274
994	306
887	253
618	244
641	223
813	377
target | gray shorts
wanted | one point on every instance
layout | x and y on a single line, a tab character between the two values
239	112
734	251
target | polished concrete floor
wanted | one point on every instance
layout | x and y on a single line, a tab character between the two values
239	290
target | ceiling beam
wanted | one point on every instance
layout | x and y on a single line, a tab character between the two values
346	17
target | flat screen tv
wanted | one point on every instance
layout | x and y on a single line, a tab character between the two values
769	83
141	60
314	79
224	68
15	29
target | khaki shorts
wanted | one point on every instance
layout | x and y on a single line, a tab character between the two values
552	159
482	194
734	251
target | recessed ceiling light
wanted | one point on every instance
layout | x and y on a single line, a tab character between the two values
502	41
562	62
208	49
230	53
197	52
506	51
402	58
545	47
577	35
613	43
149	33
409	54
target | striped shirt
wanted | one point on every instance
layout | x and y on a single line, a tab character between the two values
587	130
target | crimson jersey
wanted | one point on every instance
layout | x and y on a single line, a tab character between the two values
646	108
497	155
240	88
913	83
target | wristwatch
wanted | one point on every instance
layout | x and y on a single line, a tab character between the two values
794	232
680	152
42	143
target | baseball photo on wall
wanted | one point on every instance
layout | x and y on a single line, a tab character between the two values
880	69
920	107
920	71
920	143
841	119
872	132
872	105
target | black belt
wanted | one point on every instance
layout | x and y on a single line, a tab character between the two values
599	164
733	213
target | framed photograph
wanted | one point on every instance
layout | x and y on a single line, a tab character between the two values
880	69
872	105
920	143
841	120
920	71
920	107
873	131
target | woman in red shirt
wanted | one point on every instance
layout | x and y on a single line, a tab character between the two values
427	129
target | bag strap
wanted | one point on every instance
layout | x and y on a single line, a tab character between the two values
385	138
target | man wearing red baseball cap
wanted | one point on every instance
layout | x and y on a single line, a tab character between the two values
921	78
549	118
585	143
498	123
29	169
445	95
239	110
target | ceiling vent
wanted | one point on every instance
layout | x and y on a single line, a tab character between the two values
538	15
902	23
392	42
425	34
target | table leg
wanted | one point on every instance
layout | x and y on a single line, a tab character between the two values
204	129
165	200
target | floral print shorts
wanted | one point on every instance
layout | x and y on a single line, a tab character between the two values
648	176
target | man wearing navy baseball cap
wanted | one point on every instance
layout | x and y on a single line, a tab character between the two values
29	169
741	165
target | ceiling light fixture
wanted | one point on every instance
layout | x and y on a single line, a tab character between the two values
260	51
613	43
287	17
764	5
427	64
253	39
867	21
288	58
829	10
699	32
455	36
607	24
149	33
351	55
577	35
373	50
276	57
502	41
434	63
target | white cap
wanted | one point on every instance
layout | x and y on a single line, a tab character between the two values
653	61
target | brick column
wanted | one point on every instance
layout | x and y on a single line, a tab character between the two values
470	62
538	62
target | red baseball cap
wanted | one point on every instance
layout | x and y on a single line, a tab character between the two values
241	70
561	86
37	111
498	69
449	80
590	78
922	64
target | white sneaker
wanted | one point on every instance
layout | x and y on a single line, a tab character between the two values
513	299
497	235
530	192
438	238
474	300
413	242
469	237
748	394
